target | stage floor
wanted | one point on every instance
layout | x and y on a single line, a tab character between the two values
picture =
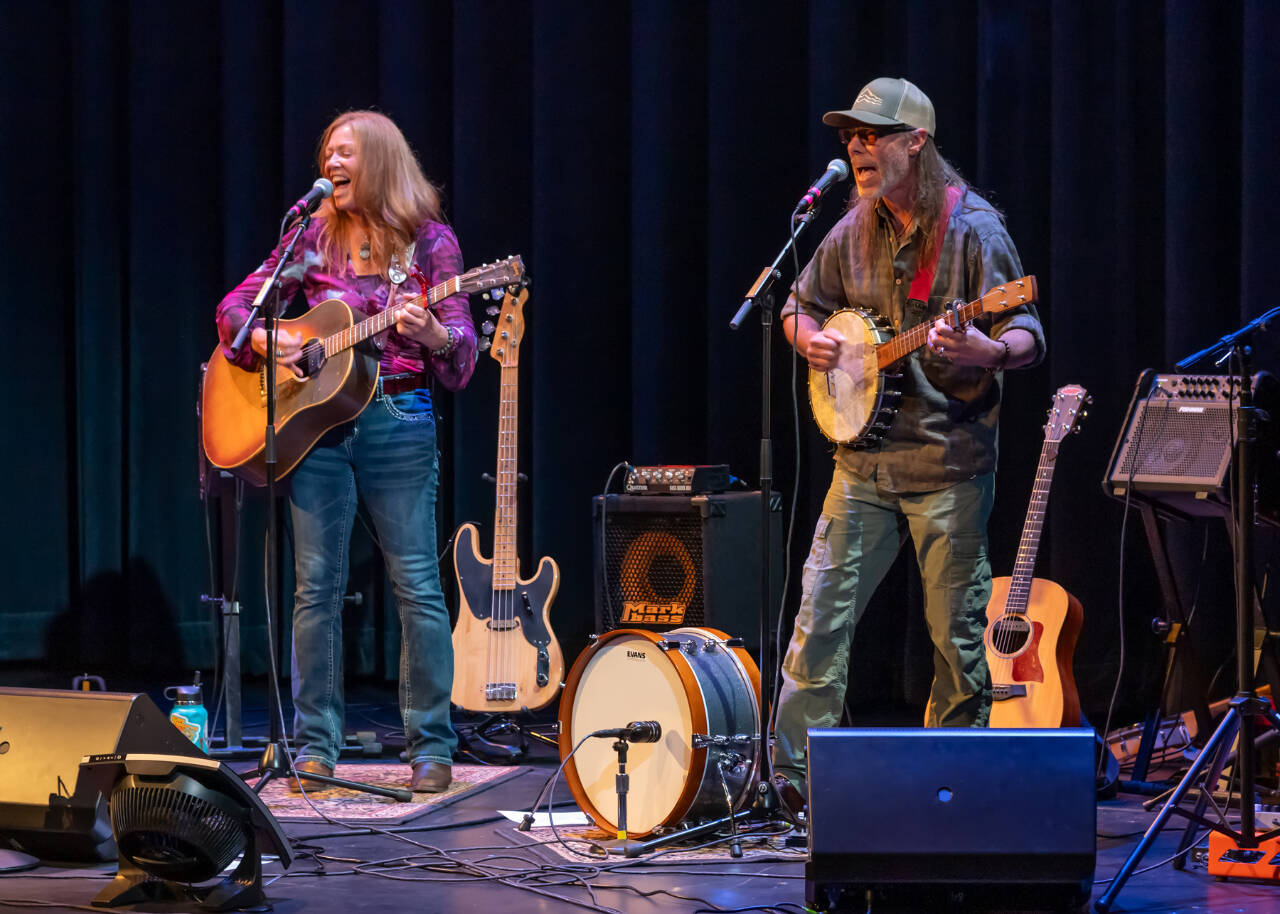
464	857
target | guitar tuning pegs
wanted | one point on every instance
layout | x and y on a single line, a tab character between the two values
495	294
482	345
487	328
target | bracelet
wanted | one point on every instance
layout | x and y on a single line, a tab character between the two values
453	341
1004	358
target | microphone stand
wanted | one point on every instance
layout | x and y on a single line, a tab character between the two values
761	295
275	761
1240	721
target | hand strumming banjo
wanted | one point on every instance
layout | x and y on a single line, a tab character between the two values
854	403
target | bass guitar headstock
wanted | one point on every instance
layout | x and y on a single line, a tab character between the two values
509	332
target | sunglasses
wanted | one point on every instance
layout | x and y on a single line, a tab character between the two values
867	136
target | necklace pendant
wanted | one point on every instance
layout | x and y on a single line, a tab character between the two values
365	252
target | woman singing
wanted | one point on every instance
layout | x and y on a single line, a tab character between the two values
384	216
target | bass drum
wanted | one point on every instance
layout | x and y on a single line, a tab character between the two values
692	683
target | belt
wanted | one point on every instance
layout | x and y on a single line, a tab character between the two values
399	383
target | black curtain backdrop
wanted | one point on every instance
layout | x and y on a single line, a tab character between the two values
643	158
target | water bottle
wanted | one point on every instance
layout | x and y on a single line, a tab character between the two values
189	714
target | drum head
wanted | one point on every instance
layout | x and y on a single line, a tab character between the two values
627	678
843	399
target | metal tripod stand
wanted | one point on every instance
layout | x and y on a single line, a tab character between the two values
1245	706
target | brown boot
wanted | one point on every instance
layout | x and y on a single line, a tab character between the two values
792	804
430	777
312	767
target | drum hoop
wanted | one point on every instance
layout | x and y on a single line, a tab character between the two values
887	381
697	708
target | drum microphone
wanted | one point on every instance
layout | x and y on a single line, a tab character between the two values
638	731
837	171
311	201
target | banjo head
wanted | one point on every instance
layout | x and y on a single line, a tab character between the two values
845	399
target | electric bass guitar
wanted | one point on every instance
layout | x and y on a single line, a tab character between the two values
506	657
855	401
1032	623
337	384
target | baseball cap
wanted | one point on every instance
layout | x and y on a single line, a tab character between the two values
886	102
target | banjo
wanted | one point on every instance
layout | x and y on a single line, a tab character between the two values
854	403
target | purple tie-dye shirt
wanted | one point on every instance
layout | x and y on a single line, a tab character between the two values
437	256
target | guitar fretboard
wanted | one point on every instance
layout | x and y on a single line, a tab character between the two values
383	320
1025	565
505	561
906	343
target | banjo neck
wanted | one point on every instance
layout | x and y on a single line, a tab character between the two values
902	346
1000	298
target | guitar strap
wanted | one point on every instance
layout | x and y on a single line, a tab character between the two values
922	282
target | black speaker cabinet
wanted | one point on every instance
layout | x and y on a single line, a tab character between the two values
667	561
1175	449
43	736
948	819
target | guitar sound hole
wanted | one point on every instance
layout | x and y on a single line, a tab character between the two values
1009	635
313	358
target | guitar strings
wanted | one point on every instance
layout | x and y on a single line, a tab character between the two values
1006	637
357	332
502	601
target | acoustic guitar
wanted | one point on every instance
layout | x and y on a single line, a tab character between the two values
1032	623
506	657
855	401
339	378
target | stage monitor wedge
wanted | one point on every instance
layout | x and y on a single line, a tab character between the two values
44	734
932	817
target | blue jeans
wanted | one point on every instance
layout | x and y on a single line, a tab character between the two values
388	456
858	536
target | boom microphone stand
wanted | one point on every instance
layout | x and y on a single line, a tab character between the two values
761	295
275	761
1240	719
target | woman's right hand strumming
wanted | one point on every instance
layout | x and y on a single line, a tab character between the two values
288	348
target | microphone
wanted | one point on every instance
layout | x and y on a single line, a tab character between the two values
638	731
837	171
311	201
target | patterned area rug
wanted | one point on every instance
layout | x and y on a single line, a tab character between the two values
583	841
356	806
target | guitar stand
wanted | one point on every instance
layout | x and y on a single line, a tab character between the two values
479	738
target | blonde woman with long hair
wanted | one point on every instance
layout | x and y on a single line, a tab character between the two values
383	218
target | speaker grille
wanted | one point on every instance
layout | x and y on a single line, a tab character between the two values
653	570
1178	446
